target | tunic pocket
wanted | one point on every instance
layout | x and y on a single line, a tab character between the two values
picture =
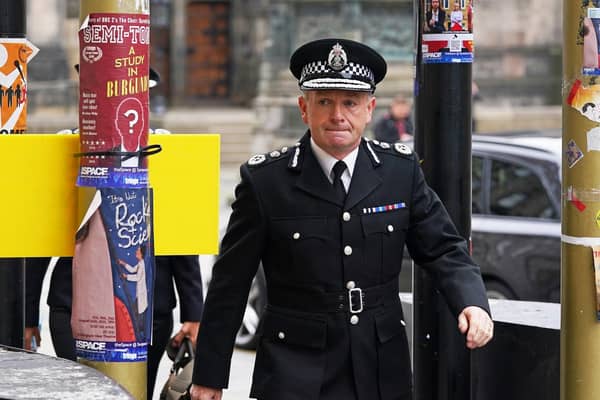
387	223
384	240
294	329
290	359
395	377
297	240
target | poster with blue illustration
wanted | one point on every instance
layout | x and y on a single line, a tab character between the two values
113	273
126	215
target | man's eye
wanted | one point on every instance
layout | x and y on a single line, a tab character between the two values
350	103
323	102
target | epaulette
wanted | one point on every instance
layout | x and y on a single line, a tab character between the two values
398	149
259	160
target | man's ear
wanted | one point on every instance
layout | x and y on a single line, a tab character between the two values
371	106
303	106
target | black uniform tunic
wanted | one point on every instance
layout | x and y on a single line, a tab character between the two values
317	253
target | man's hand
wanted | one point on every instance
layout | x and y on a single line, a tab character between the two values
189	330
31	332
198	392
478	326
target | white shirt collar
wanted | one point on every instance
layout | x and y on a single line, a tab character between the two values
327	162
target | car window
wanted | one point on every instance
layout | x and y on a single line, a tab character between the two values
477	173
517	191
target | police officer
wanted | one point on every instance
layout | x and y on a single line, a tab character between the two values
329	218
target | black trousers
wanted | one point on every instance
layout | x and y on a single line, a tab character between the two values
61	333
162	327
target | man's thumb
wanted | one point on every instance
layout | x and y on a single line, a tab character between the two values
463	323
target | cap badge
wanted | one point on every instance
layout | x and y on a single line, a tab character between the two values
337	58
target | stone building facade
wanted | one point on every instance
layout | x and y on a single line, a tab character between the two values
236	52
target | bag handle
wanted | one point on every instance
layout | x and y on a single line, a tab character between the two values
184	355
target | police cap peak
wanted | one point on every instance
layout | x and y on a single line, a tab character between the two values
337	64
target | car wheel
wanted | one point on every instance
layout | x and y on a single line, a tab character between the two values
499	291
257	300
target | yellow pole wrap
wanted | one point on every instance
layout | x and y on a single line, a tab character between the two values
580	328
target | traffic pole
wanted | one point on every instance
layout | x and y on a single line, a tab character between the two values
441	363
113	262
15	53
580	260
12	270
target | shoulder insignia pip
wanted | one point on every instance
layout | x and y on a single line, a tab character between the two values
402	148
257	159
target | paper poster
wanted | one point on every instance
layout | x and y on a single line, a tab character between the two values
113	101
14	56
596	253
593	139
113	277
586	100
591	42
448	31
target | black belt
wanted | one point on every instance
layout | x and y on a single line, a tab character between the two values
354	300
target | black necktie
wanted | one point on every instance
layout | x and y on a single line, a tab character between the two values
338	185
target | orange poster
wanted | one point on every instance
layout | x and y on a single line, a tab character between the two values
14	56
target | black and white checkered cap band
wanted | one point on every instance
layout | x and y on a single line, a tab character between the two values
318	75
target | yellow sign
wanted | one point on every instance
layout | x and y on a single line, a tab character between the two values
39	201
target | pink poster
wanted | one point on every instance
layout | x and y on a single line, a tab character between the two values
113	101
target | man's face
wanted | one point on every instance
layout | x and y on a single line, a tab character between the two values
400	110
435	4
336	118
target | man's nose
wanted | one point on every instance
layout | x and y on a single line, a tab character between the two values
337	112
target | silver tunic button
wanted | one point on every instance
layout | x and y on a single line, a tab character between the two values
390	228
347	250
354	319
346	216
296	235
281	335
402	322
350	285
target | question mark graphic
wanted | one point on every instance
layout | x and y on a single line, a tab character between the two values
133	121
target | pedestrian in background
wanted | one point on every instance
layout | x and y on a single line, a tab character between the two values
329	218
396	124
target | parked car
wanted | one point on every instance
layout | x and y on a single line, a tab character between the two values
515	223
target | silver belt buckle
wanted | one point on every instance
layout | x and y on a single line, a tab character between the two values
360	297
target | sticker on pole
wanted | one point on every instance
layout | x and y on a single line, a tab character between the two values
447	32
113	101
14	56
